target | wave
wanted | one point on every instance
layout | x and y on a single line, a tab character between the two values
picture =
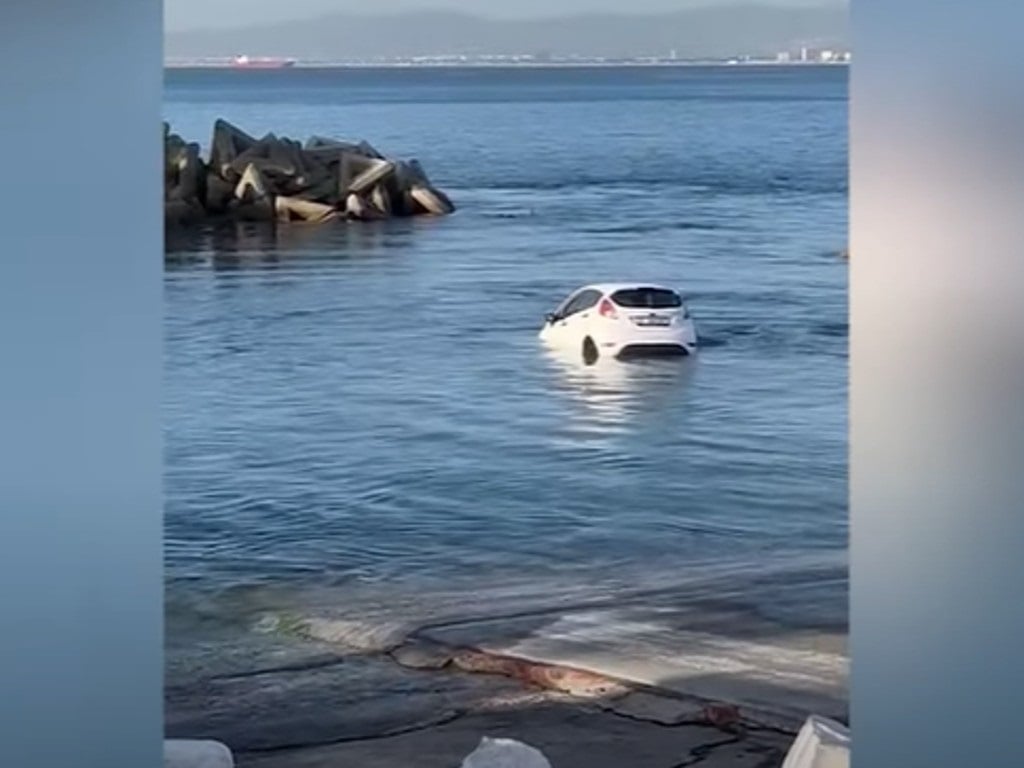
731	183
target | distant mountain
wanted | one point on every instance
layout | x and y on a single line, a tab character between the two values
713	31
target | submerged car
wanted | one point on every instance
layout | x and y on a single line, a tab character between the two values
622	320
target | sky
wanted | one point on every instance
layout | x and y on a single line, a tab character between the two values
204	14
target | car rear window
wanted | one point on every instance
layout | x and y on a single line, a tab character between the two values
647	298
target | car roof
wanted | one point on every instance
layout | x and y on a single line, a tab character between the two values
608	288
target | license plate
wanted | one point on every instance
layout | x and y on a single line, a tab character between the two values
656	321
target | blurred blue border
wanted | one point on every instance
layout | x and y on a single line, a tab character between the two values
80	366
937	384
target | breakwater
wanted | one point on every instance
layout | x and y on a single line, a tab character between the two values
280	179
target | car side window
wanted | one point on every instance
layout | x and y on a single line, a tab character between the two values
567	307
584	301
588	300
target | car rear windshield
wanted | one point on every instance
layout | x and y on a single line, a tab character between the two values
647	298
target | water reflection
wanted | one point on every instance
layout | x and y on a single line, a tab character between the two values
236	245
611	395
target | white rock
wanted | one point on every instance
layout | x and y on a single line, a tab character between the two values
381	200
375	171
505	753
182	753
821	743
252	185
431	200
292	208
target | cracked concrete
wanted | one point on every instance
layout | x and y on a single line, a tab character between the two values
667	676
302	706
571	734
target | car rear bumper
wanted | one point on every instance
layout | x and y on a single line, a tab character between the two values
670	341
653	349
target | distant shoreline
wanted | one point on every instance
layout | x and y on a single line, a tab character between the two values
506	65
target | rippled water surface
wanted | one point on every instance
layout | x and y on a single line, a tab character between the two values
369	402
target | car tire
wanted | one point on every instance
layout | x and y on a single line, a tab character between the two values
590	353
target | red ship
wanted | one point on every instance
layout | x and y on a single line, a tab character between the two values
247	62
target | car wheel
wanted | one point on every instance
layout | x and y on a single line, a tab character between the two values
590	352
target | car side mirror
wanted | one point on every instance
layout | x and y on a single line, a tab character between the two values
550	317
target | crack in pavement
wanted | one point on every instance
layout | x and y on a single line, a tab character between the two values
702	752
441	721
308	666
651	721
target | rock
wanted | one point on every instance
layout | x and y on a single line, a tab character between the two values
430	200
272	170
174	149
177	211
400	182
417	654
190	172
349	166
419	195
324	192
332	153
360	209
418	175
320	142
381	199
218	193
252	185
259	153
260	210
228	142
288	154
244	177
505	753
367	150
252	200
296	209
182	753
313	180
374	172
329	157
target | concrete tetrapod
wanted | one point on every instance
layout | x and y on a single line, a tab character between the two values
431	200
323	180
228	142
297	209
360	209
373	172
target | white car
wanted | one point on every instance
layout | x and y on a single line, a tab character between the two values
622	320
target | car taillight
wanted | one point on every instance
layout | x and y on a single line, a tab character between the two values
607	309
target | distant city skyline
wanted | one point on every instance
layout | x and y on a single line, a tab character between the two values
801	55
718	31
